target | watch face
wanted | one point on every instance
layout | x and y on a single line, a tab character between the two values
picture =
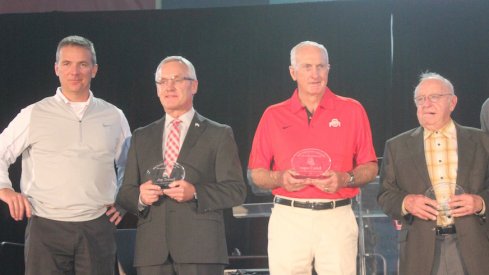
352	178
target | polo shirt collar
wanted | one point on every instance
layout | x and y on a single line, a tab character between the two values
326	101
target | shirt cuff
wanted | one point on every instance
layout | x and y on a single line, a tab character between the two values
141	205
404	212
483	210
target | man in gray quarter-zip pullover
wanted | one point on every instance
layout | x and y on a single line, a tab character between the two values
70	144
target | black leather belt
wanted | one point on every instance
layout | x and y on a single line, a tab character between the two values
312	205
447	230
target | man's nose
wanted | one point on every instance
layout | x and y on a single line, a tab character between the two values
427	102
170	86
74	69
315	73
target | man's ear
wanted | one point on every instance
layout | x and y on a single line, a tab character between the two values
94	70
56	69
292	72
195	86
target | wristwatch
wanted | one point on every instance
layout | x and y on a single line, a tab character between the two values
351	181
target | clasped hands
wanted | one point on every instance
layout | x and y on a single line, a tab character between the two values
427	209
330	182
180	191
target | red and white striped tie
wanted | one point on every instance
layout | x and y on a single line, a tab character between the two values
172	146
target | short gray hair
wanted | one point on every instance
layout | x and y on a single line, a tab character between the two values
293	59
181	59
75	40
430	75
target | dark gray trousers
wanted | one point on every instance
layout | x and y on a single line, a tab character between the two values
447	256
56	247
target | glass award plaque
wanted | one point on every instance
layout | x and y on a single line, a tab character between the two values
442	192
310	163
163	174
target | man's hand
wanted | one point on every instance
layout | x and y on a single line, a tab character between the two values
180	191
421	206
289	182
465	204
149	193
330	182
17	203
115	216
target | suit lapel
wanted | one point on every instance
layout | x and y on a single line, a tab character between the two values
156	134
466	149
415	148
195	130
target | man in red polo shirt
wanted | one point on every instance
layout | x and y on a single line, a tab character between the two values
312	220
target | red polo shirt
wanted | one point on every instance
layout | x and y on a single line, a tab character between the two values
339	127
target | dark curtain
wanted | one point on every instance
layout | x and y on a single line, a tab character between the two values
447	37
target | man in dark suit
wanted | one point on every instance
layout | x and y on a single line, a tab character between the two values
181	229
440	151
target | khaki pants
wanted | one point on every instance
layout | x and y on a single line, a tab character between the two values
298	236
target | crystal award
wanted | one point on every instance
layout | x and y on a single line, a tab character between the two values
310	163
442	192
163	174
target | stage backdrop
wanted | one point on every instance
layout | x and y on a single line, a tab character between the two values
377	49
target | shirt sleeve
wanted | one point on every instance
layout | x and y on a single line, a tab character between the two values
261	154
13	141
122	148
365	151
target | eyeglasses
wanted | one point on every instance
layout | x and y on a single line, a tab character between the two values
176	80
434	98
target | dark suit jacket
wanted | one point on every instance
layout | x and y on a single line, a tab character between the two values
404	172
193	231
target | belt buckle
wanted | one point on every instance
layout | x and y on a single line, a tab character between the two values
313	205
333	204
441	231
438	230
448	230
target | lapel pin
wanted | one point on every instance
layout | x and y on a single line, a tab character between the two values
197	125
